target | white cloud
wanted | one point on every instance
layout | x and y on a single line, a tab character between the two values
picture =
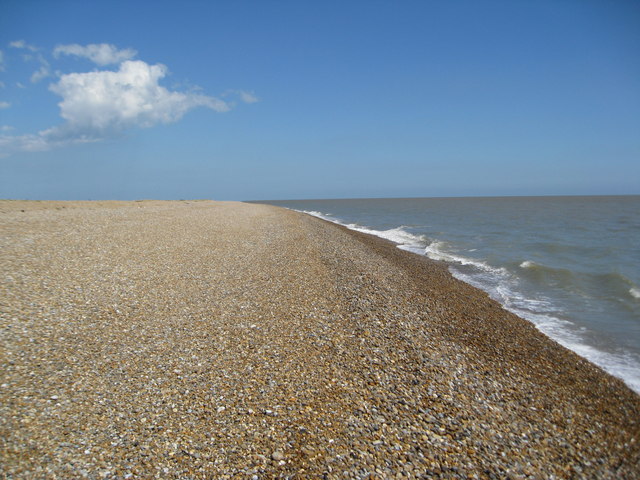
42	72
105	100
248	97
6	128
45	140
100	104
23	45
48	139
21	143
245	97
101	54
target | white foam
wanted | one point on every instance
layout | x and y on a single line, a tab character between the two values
527	264
438	250
397	235
321	215
635	292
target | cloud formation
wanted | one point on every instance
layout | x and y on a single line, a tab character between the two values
104	103
101	54
21	44
247	97
104	100
42	141
42	72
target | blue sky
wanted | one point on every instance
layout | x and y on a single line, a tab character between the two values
239	100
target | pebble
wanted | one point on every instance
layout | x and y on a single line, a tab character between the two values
362	360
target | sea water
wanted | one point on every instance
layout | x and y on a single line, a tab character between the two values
569	265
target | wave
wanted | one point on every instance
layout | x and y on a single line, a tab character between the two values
324	216
405	239
624	284
607	284
502	286
538	269
440	250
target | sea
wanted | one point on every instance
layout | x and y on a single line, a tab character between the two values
570	265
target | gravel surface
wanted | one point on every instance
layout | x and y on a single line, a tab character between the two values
212	340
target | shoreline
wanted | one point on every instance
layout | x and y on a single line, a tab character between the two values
221	338
612	363
457	288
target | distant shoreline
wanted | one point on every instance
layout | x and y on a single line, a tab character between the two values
226	338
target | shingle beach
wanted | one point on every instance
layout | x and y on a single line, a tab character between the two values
212	340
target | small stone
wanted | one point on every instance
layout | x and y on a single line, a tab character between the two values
447	398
